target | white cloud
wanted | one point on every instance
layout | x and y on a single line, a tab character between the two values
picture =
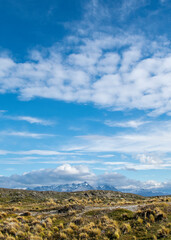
3	111
38	152
136	166
26	134
60	175
155	138
153	184
106	156
129	124
128	6
3	152
31	120
116	163
74	174
149	159
117	180
123	72
41	152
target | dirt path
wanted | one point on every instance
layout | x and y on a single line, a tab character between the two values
132	208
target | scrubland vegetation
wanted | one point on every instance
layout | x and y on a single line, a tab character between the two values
83	215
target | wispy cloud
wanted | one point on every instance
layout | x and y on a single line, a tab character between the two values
38	152
115	166
31	120
3	111
42	152
155	138
106	156
129	6
26	134
3	152
129	124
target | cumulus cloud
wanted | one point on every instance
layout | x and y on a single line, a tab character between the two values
60	175
149	159
123	72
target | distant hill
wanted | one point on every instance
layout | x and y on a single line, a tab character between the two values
149	192
20	195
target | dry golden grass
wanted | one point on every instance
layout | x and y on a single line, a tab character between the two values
63	216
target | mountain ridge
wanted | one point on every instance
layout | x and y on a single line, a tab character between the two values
85	186
73	187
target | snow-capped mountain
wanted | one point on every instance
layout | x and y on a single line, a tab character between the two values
106	187
73	187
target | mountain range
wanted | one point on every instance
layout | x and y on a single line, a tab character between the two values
73	187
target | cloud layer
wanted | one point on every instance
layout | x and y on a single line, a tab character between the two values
72	174
156	137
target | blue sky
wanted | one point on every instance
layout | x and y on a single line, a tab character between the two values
85	92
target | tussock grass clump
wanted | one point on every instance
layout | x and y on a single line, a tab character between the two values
36	238
116	234
68	231
151	218
126	228
159	214
20	234
94	233
1	235
51	202
55	229
140	220
61	226
3	215
48	221
38	228
73	226
163	232
83	236
63	236
77	220
9	238
148	225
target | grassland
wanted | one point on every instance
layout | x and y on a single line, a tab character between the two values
83	215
